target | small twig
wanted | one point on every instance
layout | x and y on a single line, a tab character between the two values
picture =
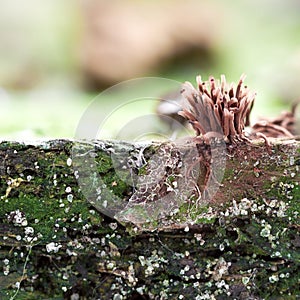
23	273
267	143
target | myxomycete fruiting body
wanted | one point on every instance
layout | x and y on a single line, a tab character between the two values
221	109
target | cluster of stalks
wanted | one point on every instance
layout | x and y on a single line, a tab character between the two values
282	126
218	107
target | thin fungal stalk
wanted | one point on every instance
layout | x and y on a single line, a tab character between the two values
218	108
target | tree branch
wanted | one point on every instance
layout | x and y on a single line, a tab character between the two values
116	220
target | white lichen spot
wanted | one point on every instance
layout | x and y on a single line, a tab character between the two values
6	267
86	227
222	284
149	270
281	213
274	268
18	218
68	189
110	265
274	278
71	253
266	231
186	268
69	161
29	230
273	203
245	280
140	290
70	198
103	254
53	247
30	239
76	174
75	296
198	237
170	189
96	240
113	226
166	283
174	211
118	297
152	263
221	269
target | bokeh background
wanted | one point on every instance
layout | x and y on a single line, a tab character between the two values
57	56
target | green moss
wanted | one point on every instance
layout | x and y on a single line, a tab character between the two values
228	174
63	214
104	163
143	170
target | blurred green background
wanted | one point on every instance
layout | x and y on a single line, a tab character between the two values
57	56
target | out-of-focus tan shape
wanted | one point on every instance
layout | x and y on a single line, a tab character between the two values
124	39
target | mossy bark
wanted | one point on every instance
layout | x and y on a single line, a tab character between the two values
62	235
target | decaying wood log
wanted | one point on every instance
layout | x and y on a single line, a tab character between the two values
78	221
